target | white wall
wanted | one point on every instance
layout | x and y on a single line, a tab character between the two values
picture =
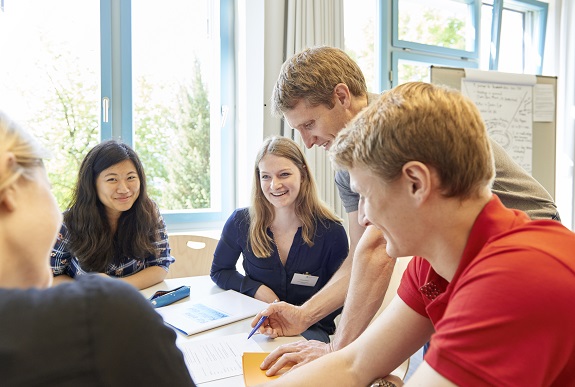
558	60
260	50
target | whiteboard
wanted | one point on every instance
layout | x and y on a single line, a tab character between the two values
532	144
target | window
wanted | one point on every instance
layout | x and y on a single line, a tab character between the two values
148	74
516	52
360	29
176	111
50	79
414	34
442	26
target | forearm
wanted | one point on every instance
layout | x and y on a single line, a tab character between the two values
328	370
370	276
330	297
334	369
369	282
147	277
388	342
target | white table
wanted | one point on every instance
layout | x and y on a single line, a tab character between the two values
200	287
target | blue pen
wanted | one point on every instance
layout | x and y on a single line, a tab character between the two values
259	324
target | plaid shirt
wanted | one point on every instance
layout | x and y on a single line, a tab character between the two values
63	262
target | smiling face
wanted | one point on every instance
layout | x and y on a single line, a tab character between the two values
280	180
118	188
387	207
318	125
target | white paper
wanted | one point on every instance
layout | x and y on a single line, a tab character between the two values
216	358
543	103
304	279
212	311
507	111
499	77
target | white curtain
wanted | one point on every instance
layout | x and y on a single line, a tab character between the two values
560	61
311	23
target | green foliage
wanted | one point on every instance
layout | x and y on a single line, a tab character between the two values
172	138
67	125
173	141
430	28
152	136
363	53
189	162
433	29
413	72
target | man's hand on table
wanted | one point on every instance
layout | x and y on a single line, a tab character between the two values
295	354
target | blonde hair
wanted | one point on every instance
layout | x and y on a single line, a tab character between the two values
27	152
308	206
421	122
312	75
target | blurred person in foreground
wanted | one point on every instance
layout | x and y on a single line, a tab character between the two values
91	332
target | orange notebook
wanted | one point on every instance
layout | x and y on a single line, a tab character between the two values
253	375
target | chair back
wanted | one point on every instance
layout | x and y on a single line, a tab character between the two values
194	255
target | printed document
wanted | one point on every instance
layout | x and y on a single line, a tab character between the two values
216	358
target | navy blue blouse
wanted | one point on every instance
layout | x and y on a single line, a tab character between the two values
322	260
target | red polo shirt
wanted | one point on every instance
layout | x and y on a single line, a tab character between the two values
508	316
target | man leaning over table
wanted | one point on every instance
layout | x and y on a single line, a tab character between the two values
491	277
318	91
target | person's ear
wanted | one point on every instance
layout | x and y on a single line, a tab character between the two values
8	196
342	94
419	180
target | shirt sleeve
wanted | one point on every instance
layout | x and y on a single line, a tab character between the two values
412	279
340	247
164	259
517	189
231	245
349	198
61	258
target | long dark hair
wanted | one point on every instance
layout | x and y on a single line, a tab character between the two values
91	239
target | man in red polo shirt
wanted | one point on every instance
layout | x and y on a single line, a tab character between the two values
492	290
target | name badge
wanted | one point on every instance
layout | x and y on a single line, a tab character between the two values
304	279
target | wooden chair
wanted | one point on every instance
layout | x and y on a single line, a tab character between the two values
193	253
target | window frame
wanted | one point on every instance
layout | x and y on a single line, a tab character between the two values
536	14
396	56
116	85
390	49
404	44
